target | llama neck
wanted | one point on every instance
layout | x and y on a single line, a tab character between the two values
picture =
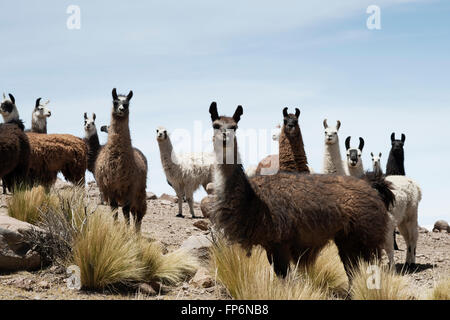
395	165
38	125
93	146
168	156
332	162
292	153
12	116
377	170
119	134
356	171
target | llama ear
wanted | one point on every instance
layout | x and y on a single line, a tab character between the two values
12	98
325	124
379	155
114	94
213	111
347	143
285	113
371	154
38	102
238	113
338	125
392	136
4	96
85	116
297	113
403	137
130	95
361	144
93	116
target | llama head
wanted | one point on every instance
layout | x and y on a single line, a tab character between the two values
8	108
331	132
224	138
121	104
354	155
376	161
161	134
89	125
41	112
277	132
290	123
397	145
104	129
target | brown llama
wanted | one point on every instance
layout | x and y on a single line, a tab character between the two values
291	215
292	155
120	169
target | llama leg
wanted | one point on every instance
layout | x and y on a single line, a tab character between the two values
180	205
190	201
404	231
389	244
281	258
413	235
126	213
114	208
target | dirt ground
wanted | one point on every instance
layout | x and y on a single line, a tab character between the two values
433	262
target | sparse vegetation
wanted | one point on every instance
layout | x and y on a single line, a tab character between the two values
441	290
391	286
253	278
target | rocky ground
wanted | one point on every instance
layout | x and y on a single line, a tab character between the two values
433	260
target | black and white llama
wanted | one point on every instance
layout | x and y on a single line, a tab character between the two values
355	166
39	116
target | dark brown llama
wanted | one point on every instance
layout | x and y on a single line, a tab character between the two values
292	155
291	215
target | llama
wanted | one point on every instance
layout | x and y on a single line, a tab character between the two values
355	165
291	215
120	169
332	160
376	163
395	164
104	129
39	116
14	146
292	155
91	140
184	172
404	212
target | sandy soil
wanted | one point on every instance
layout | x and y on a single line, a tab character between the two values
433	262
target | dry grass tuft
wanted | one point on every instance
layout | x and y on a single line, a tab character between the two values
109	254
392	286
27	204
253	278
441	290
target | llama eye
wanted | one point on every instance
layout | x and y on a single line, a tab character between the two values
216	126
233	128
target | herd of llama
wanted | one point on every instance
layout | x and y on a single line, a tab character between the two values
280	204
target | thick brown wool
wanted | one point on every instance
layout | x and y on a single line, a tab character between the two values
292	154
14	154
294	215
121	172
53	153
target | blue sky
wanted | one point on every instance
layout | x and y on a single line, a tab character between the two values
177	57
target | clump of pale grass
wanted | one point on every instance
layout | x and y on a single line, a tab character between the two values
27	204
252	277
441	290
328	272
375	281
109	253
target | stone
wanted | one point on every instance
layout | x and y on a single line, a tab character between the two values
202	225
207	206
168	197
210	188
202	279
44	285
198	245
440	226
15	253
147	289
151	196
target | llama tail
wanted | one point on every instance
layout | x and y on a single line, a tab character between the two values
384	188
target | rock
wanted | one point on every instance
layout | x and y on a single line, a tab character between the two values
168	197
210	188
202	225
207	206
202	279
441	225
166	202
61	184
151	196
44	285
147	289
15	253
198	246
423	230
